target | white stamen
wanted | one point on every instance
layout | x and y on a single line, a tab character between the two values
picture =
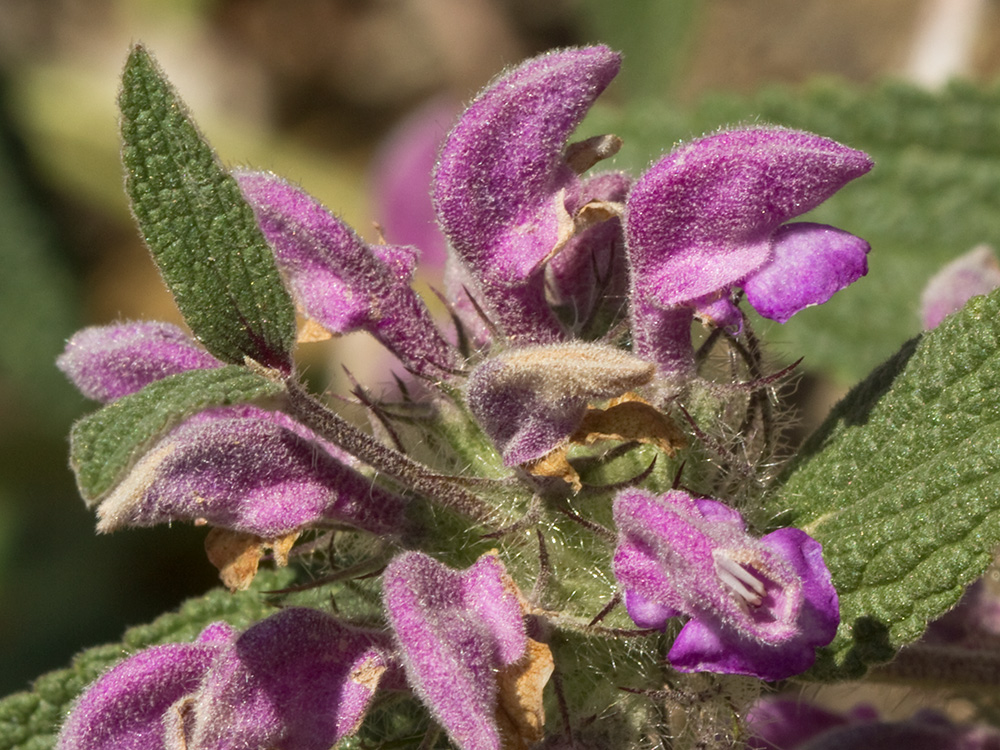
742	582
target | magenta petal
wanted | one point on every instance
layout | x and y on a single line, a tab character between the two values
646	613
341	281
455	629
700	220
401	181
811	263
108	362
298	680
249	470
721	313
783	724
499	182
820	613
124	709
976	272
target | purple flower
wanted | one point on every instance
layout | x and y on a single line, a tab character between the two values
782	724
455	630
756	606
708	218
976	272
249	470
401	181
130	706
504	190
341	281
241	468
108	362
530	400
298	680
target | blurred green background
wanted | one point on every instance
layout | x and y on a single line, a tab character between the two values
309	88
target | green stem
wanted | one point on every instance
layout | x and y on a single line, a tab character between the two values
411	474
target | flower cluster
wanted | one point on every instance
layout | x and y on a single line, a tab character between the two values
573	296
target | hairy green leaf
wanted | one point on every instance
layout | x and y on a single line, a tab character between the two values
104	444
199	229
31	720
901	485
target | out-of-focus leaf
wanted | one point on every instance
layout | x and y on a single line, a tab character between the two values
37	296
654	35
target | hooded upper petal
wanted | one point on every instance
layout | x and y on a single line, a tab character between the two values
530	400
126	708
108	362
702	218
502	185
757	606
341	281
455	630
298	680
250	470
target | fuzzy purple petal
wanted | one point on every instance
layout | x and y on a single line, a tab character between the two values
455	629
502	183
702	220
646	613
341	281
108	362
249	470
298	680
811	263
757	606
125	708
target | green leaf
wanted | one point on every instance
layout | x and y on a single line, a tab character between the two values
901	485
199	229
31	720
104	444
